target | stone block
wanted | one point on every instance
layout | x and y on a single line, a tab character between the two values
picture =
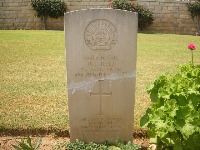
145	3
30	20
75	0
176	15
29	15
154	3
26	1
25	9
14	4
6	4
185	8
30	25
178	4
97	3
183	16
162	4
169	16
8	25
169	4
2	21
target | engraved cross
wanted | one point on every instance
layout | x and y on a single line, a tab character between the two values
101	94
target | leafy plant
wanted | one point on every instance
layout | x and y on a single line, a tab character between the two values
174	116
145	16
81	145
28	145
194	9
126	146
106	146
49	8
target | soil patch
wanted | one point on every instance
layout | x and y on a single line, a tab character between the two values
52	140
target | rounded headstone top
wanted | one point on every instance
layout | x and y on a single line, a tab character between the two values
97	9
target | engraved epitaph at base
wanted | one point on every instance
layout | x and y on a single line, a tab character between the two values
101	65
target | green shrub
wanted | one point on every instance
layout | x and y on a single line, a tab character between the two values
49	8
58	8
145	16
174	116
194	9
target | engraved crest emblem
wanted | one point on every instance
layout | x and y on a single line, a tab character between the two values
100	34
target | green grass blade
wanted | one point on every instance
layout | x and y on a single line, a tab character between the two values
29	142
16	147
38	143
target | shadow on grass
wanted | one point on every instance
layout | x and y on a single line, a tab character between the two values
33	132
139	133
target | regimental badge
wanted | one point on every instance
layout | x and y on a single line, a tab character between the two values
100	34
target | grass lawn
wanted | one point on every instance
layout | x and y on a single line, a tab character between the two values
33	75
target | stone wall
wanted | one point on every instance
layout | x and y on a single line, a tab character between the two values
84	4
18	14
170	16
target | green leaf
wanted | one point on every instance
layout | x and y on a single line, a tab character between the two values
151	134
179	123
182	112
38	143
164	94
29	142
150	87
24	146
114	148
153	140
177	147
182	101
175	138
144	120
187	130
195	100
196	139
16	147
154	96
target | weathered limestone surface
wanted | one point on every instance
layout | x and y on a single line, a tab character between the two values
101	71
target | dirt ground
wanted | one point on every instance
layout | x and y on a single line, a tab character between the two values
50	142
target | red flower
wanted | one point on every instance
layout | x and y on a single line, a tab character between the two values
191	46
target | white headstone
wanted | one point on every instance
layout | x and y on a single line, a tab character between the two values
101	73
